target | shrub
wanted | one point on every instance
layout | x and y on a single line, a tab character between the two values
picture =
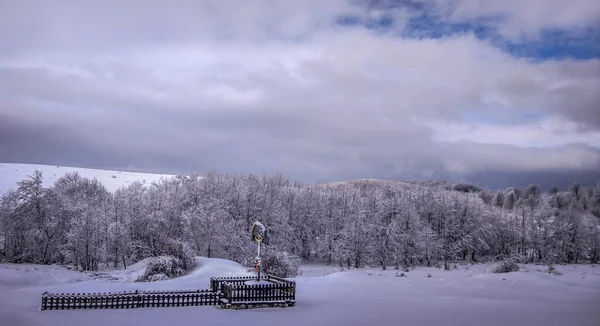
162	268
157	277
520	259
182	251
280	263
506	266
553	270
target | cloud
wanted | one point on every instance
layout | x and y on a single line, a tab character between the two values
282	86
471	157
544	133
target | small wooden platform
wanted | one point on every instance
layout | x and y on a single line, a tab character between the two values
236	294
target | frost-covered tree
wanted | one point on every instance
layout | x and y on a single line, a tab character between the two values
386	230
84	203
510	199
14	229
498	199
119	234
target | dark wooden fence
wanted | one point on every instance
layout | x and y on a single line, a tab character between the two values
128	300
279	291
264	292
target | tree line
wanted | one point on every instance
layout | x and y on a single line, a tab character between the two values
388	224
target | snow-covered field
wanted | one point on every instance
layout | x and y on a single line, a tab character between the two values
11	173
469	295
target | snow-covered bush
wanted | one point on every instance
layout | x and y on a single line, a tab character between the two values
280	263
506	266
553	270
157	277
163	267
183	252
520	259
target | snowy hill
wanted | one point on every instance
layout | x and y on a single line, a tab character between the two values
11	173
363	182
441	185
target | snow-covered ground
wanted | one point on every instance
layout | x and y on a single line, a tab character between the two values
11	173
469	295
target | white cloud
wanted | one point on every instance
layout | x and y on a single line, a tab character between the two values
469	158
545	133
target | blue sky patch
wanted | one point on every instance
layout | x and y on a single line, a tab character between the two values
559	44
385	22
551	44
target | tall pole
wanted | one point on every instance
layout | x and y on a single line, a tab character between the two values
257	232
259	262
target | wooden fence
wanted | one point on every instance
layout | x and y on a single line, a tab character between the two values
262	292
224	291
128	300
279	291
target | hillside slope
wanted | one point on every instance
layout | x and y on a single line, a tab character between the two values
11	173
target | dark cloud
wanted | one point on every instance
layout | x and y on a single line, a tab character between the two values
30	142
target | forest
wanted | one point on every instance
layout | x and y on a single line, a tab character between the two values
389	224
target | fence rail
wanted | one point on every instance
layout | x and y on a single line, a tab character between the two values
216	283
127	292
129	300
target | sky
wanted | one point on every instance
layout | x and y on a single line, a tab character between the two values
494	93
